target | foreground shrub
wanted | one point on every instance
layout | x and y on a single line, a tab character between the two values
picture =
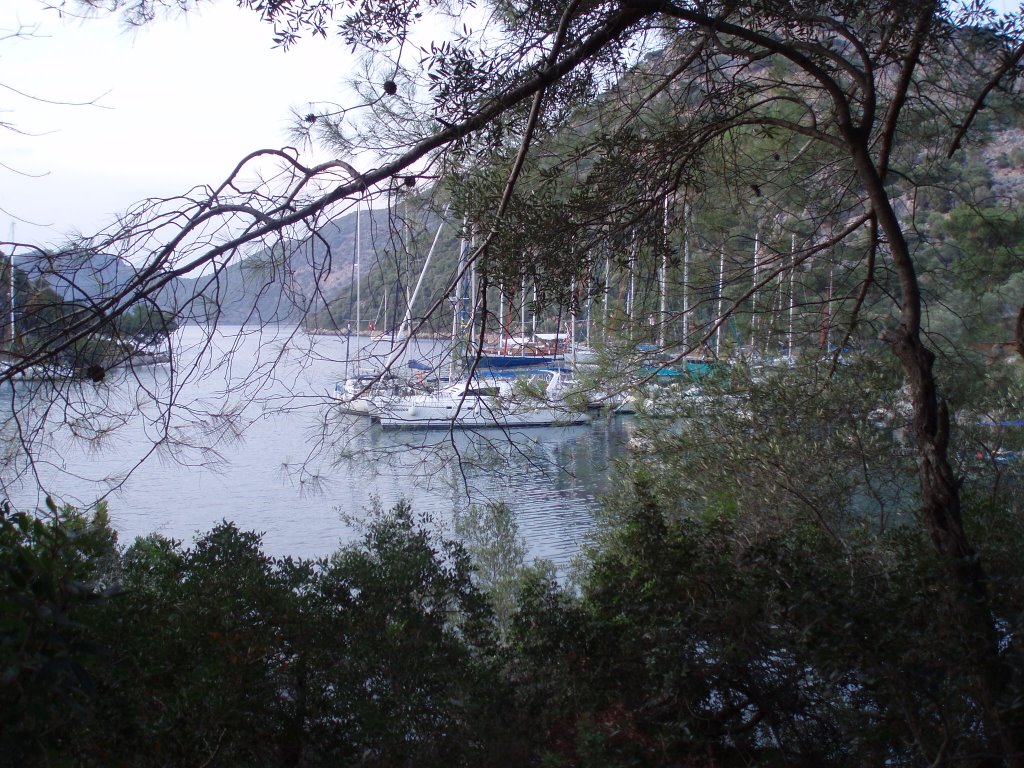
685	642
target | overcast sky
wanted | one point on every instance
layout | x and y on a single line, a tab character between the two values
181	101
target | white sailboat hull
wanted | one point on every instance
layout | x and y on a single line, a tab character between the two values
478	406
473	413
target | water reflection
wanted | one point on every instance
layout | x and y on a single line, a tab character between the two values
550	476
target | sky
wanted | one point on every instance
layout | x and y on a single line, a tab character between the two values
177	103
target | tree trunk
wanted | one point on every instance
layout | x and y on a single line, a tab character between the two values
941	511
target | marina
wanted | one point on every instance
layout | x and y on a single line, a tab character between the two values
298	469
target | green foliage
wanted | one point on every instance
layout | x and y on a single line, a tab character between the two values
491	537
979	275
786	447
219	653
693	644
989	245
53	569
687	642
146	324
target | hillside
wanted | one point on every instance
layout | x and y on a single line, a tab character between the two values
311	283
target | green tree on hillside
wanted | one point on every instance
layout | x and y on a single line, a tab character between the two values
989	243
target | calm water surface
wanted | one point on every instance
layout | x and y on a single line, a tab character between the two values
256	441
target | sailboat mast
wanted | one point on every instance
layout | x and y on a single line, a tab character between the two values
607	290
474	299
721	302
663	308
686	275
457	302
407	322
354	278
631	292
826	319
408	264
502	346
792	295
406	326
533	312
10	269
590	305
359	272
572	334
774	320
522	309
753	295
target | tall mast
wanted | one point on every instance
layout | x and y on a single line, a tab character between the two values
406	327
457	302
721	302
502	346
572	321
356	280
686	274
407	322
10	268
753	295
408	264
473	298
359	272
533	312
771	330
522	309
792	295
826	319
663	308
590	305
607	290
631	291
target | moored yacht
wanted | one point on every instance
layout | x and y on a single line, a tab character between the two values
480	402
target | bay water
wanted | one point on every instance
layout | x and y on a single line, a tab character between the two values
254	438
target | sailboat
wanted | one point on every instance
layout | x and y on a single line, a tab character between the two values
481	402
523	352
369	392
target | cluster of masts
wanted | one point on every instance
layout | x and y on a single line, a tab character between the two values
765	304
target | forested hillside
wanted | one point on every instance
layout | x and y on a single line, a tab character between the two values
286	282
966	216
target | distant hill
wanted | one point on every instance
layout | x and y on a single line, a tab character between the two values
78	276
289	283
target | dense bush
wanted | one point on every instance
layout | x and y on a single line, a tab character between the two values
686	642
702	646
219	655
